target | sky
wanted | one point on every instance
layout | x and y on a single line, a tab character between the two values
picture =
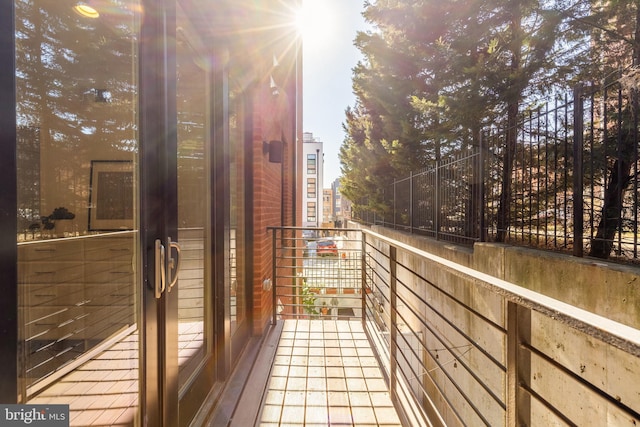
328	29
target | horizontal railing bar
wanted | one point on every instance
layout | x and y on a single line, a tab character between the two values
468	308
472	344
606	396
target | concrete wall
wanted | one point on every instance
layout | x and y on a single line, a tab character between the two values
605	288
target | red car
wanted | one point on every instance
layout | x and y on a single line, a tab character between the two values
327	247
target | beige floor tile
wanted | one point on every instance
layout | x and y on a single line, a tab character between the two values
286	342
386	416
332	351
280	371
340	415
316	414
333	361
316	371
302	342
358	384
326	377
353	372
335	372
350	352
295	398
363	414
274	397
315	361
336	384
371	362
284	351
316	343
317	384
316	351
271	413
298	371
292	415
317	398
299	360
376	384
282	360
278	383
337	398
350	361
381	399
297	383
301	351
371	372
359	398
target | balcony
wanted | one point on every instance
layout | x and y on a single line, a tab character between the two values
421	340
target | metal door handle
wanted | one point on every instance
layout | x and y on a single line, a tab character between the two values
160	263
173	264
166	266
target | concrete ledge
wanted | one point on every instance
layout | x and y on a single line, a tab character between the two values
601	287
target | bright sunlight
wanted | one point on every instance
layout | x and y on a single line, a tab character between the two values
314	22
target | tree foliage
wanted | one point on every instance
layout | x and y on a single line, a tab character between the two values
436	73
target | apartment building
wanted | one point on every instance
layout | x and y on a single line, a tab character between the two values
312	176
327	207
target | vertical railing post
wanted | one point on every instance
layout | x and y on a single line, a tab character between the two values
393	345
578	205
481	171
411	202
274	281
437	200
363	281
395	207
518	365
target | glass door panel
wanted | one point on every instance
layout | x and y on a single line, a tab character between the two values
193	221
237	263
78	262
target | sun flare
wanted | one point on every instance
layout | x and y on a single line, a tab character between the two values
314	23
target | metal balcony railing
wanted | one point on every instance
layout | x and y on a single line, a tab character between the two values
459	347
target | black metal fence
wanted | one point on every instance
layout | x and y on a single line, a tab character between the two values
548	202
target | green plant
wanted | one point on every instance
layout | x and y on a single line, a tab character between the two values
308	299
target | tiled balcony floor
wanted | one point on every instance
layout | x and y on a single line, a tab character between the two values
325	374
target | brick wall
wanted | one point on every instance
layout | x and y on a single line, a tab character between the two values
273	188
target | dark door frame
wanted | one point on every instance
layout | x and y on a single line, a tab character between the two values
157	140
8	208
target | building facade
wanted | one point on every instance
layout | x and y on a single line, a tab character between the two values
142	143
327	207
312	176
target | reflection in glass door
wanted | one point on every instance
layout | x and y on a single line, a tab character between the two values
193	220
239	329
78	262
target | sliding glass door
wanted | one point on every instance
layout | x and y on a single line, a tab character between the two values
78	241
122	148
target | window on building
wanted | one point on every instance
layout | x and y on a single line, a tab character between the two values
311	164
311	211
311	188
